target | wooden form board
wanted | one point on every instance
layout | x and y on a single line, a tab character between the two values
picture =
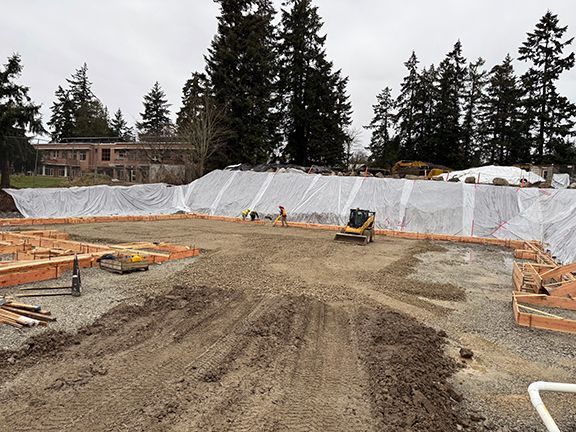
541	320
103	219
543	283
32	267
516	244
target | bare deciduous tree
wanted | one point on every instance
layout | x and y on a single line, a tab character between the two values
352	143
204	135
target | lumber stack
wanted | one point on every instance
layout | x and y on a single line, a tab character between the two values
20	315
542	282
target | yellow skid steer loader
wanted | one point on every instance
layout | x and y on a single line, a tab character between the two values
359	229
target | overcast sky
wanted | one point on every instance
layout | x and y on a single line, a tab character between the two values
130	44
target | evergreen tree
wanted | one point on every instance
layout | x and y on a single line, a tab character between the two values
501	128
63	121
119	127
193	96
156	121
316	110
549	116
475	83
426	95
406	105
383	145
241	67
18	115
90	115
447	137
76	112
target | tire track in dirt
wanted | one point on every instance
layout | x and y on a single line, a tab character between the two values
214	360
147	370
324	387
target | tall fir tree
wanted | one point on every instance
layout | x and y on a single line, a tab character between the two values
241	66
383	144
194	94
316	109
475	84
63	120
119	127
447	138
77	112
18	115
406	106
90	115
549	116
501	118
156	123
426	96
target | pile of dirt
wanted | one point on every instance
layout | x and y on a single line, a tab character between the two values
50	343
7	204
408	375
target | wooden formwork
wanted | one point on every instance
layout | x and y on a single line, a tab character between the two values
15	222
30	264
544	283
514	244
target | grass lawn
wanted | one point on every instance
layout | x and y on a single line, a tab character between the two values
21	181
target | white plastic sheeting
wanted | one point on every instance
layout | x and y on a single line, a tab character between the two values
487	174
547	215
97	200
560	181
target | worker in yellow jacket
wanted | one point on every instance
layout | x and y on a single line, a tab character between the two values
245	213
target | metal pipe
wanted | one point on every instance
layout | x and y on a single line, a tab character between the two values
534	392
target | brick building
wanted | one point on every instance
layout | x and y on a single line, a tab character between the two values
138	162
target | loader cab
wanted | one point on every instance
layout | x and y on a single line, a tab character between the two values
358	217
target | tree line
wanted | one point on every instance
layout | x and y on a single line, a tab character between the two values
270	93
460	114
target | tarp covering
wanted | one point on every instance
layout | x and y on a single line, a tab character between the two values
560	181
547	215
487	174
97	200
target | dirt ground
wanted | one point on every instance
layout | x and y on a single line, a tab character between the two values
283	329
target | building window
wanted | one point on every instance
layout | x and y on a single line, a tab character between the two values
105	154
82	155
120	154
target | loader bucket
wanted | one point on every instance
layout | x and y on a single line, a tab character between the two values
352	238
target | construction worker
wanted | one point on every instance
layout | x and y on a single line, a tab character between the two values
245	213
254	215
283	216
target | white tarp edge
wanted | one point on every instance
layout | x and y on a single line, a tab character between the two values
547	215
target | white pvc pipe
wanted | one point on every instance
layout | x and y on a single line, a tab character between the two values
534	392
